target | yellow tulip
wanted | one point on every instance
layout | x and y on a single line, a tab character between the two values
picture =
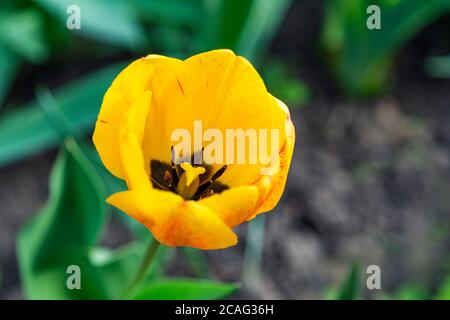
187	204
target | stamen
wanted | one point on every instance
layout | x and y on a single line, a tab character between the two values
207	193
192	182
168	177
219	173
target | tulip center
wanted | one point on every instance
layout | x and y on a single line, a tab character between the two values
191	181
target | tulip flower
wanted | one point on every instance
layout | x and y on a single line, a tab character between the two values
183	202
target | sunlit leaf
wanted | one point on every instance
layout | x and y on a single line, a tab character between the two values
350	288
443	292
411	292
185	289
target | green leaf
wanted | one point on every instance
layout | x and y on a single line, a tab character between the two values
351	287
246	26
109	21
63	232
411	292
22	33
112	183
53	113
443	292
21	36
361	58
283	85
185	289
9	65
261	26
26	130
117	267
172	12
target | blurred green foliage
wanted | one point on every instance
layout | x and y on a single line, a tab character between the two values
282	83
246	26
407	292
416	291
185	289
26	130
110	21
351	286
63	232
443	291
361	58
21	37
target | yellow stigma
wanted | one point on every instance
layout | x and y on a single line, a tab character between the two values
191	172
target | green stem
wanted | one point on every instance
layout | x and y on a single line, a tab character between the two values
144	267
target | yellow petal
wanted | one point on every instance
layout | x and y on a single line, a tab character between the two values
233	206
194	225
125	201
139	76
223	91
279	180
131	131
175	222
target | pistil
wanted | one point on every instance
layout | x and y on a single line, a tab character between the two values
189	181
